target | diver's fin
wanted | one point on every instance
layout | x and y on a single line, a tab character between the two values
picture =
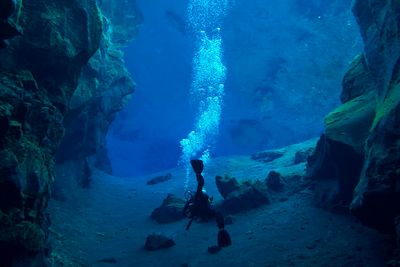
224	239
197	165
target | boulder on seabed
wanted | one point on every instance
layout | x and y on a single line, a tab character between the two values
157	241
240	197
226	185
246	198
274	181
302	155
159	179
267	156
171	210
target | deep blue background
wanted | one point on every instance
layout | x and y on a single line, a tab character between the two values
285	61
145	135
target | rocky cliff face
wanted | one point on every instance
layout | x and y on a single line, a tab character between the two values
40	71
363	133
104	88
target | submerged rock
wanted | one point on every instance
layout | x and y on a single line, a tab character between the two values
242	196
357	161
302	155
377	196
336	168
248	196
30	236
159	179
156	242
105	87
357	80
274	181
267	156
39	76
171	210
7	29
226	185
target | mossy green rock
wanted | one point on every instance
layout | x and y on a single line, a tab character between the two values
368	121
24	234
30	236
357	81
39	72
350	122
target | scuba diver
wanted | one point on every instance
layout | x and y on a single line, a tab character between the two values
198	206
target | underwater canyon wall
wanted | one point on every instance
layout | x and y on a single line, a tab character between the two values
357	159
53	85
105	86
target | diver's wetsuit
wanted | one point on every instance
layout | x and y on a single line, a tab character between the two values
199	206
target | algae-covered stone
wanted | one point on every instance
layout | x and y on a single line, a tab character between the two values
361	146
357	80
10	182
39	73
5	225
350	123
30	236
377	195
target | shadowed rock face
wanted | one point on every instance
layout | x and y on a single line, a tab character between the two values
377	195
104	88
368	121
40	72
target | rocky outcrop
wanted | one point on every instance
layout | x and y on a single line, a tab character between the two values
239	197
171	210
274	181
157	241
226	185
159	179
7	28
247	197
336	167
377	195
104	88
40	71
362	135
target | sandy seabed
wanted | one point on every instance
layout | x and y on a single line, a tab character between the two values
107	224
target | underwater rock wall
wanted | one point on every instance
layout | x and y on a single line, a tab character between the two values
377	195
50	85
104	88
367	123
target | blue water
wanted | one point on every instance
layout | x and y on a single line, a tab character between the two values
284	63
